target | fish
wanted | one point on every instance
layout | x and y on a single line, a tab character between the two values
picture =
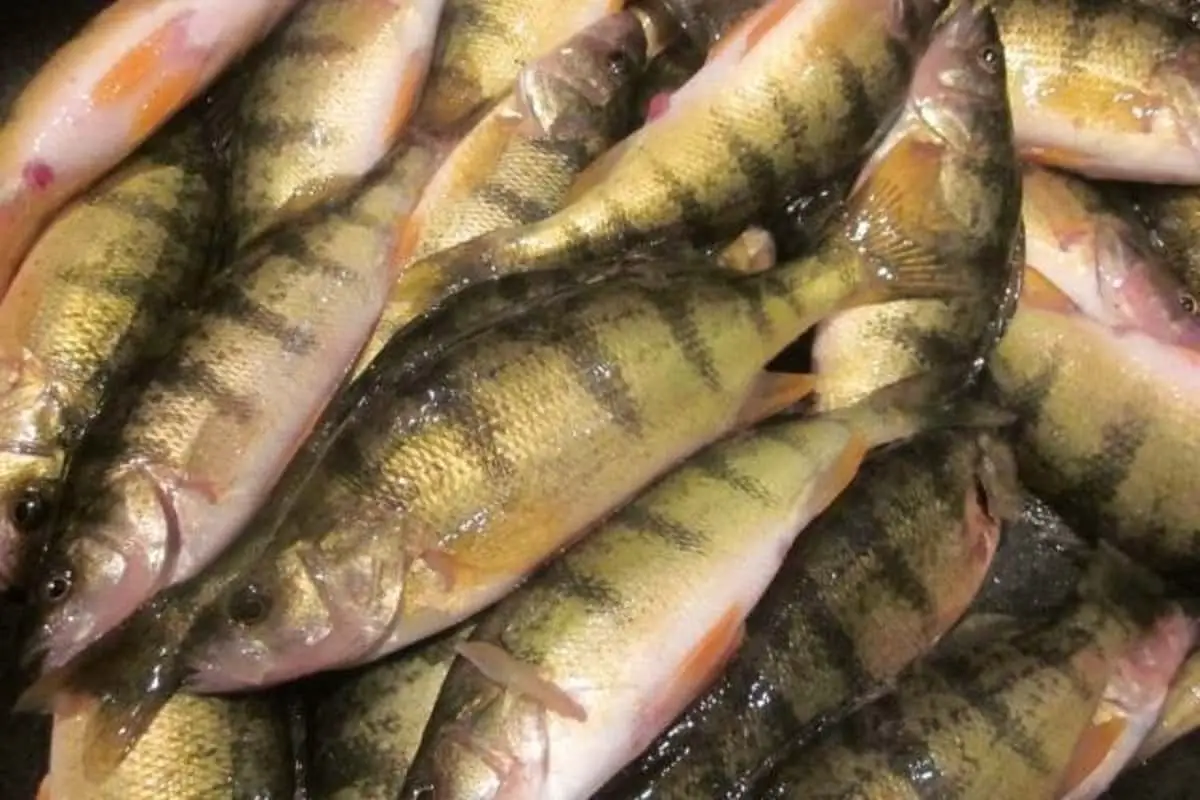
1120	472
1172	775
1172	213
997	720
581	400
1180	711
665	75
97	292
1131	703
911	540
328	97
482	47
706	23
207	748
1105	89
155	491
976	217
1186	10
104	92
761	122
518	163
1103	259
366	725
571	676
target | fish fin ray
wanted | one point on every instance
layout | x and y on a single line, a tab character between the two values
500	666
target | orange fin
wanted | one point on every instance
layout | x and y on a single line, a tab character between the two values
1090	751
772	393
500	666
1039	292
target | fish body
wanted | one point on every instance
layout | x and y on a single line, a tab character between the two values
200	748
1122	471
1173	216
761	121
870	586
567	679
156	494
104	92
103	284
364	730
972	210
517	164
998	720
1180	711
1106	89
1103	259
330	95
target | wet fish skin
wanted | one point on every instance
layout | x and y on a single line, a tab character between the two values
677	178
204	748
484	44
998	720
1097	252
888	544
707	22
1106	89
518	163
106	91
1180	711
326	100
724	518
1173	215
365	730
102	285
1121	471
285	320
972	211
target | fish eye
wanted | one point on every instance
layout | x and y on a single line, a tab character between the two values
30	510
249	605
1188	303
56	588
989	59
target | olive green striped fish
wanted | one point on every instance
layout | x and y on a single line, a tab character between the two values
1173	216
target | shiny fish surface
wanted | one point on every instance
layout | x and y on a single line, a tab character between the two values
331	94
1124	471
199	748
730	147
103	93
1173	215
100	288
518	163
158	493
870	586
568	678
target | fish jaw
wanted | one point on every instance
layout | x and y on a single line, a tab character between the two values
105	93
1129	708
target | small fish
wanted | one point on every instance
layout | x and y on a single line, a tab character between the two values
973	216
103	285
1106	89
1180	711
366	725
201	748
1129	707
996	721
518	163
482	47
1172	214
870	586
1103	259
1123	471
764	120
330	95
571	676
104	93
157	491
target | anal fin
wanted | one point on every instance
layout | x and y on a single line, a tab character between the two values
772	393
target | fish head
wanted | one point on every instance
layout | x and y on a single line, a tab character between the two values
110	545
278	623
911	21
592	75
959	86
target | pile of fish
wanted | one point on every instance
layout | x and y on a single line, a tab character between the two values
583	398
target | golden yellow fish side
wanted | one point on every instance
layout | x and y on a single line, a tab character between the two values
204	748
993	722
1125	470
